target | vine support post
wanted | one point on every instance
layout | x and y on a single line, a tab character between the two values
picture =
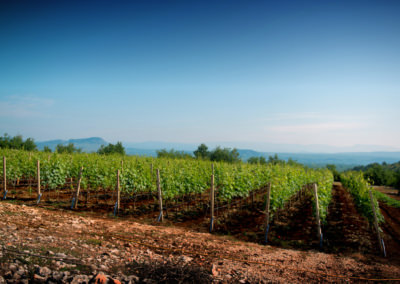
161	216
38	179
378	234
212	200
319	232
78	188
267	211
118	192
4	177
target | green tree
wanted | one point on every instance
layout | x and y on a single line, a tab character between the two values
173	154
257	160
29	145
46	149
202	152
335	172
112	149
225	155
70	148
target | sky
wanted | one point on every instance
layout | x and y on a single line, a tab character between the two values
283	72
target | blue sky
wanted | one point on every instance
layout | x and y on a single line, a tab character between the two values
286	72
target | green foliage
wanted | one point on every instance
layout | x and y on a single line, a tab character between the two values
382	174
386	199
334	171
112	149
172	154
224	155
359	188
70	148
46	149
178	176
257	160
202	152
17	142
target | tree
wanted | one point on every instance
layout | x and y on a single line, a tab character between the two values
275	160
225	155
332	168
112	149
46	149
29	145
173	154
257	160
202	152
17	142
70	148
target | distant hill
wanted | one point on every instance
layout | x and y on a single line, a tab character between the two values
91	144
344	160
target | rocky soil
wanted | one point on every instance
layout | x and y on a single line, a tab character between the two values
58	246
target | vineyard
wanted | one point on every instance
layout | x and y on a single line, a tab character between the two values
278	204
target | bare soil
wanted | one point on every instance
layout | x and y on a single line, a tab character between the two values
118	246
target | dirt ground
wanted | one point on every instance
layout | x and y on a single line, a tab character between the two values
39	240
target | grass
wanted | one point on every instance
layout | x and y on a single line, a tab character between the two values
93	242
386	199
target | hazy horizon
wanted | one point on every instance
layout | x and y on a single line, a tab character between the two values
283	73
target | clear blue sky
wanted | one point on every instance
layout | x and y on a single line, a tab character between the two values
293	72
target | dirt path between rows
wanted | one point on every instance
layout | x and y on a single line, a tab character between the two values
81	246
346	230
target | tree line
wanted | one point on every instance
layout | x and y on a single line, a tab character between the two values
17	142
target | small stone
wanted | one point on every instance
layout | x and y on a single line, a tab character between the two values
185	259
8	275
44	271
80	279
57	275
13	268
39	279
133	279
61	255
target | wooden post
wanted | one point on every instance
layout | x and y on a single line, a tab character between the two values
378	234
122	165
212	197
4	175
267	212
118	192
78	188
161	216
38	178
319	232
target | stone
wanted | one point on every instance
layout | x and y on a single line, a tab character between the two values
44	271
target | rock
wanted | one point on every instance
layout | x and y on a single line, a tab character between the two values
61	255
185	259
44	271
58	275
133	279
80	279
214	271
39	279
13	268
8	275
99	279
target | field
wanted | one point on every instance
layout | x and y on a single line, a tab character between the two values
249	241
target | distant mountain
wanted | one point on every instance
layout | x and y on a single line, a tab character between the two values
91	144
